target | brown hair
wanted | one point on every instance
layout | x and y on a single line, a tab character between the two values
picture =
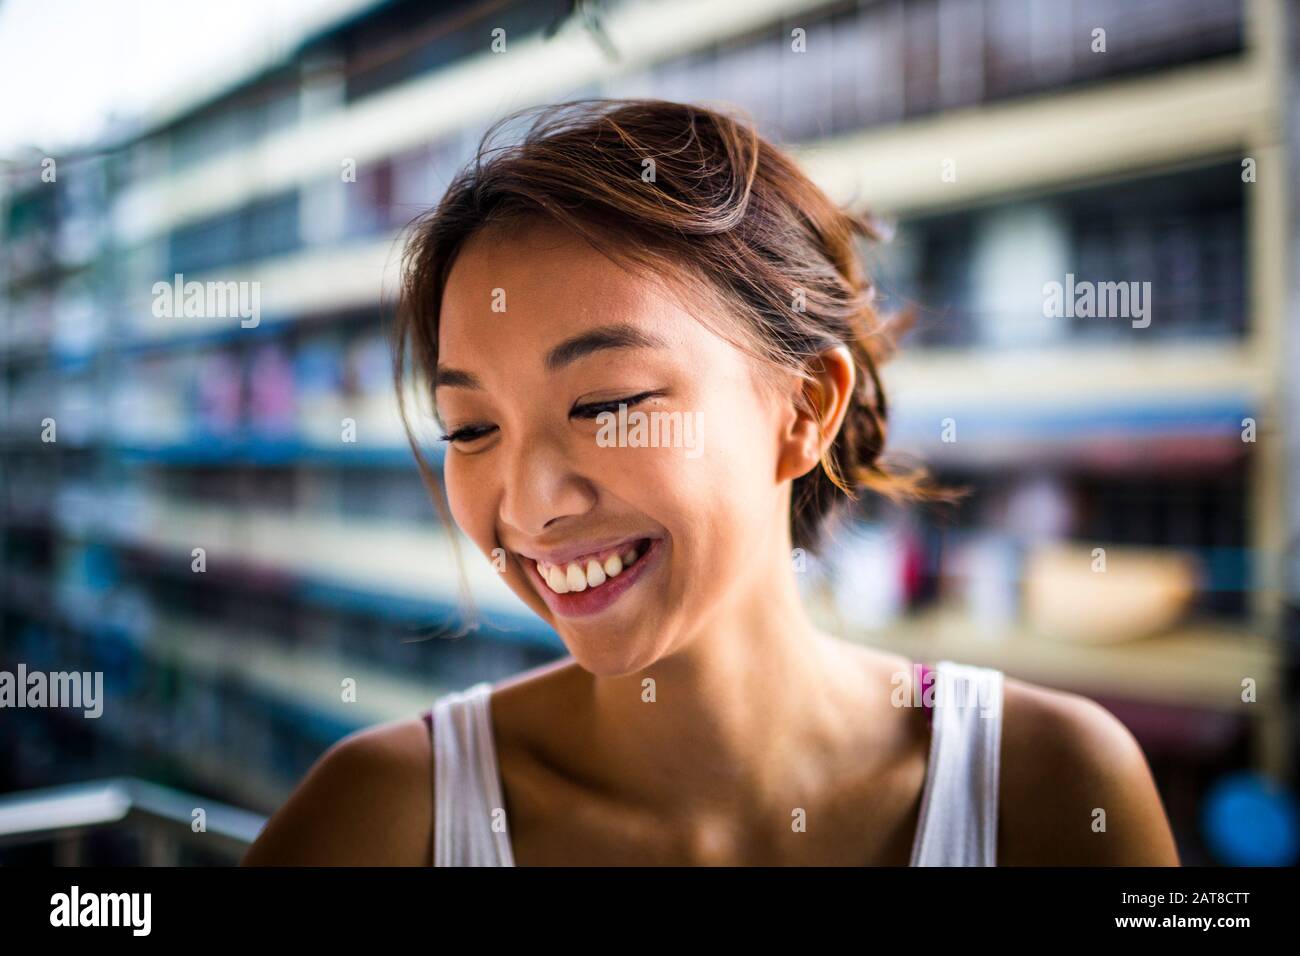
684	191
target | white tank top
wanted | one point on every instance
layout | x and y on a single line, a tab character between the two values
958	816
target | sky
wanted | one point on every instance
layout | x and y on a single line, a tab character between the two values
67	65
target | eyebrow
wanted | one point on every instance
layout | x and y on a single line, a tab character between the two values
619	336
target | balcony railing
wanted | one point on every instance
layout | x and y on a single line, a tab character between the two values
164	821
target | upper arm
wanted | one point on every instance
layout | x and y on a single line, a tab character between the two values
1076	787
367	801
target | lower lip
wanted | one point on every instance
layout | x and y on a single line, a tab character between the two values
594	600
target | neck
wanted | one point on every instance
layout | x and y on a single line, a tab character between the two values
751	703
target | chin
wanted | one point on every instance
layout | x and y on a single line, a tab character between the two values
605	660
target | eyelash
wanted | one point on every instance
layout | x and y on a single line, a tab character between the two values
590	410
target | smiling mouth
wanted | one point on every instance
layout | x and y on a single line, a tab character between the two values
591	572
646	554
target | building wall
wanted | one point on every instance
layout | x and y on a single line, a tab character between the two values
1005	150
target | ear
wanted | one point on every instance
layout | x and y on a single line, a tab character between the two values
810	430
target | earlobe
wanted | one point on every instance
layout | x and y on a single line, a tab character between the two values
835	376
817	418
798	439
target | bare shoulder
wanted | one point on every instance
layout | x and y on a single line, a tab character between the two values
367	801
1075	786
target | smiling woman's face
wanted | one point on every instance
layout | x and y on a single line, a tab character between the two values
528	473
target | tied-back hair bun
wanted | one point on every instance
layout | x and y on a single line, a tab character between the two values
697	198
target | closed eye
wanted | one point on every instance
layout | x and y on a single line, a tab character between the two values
593	409
469	433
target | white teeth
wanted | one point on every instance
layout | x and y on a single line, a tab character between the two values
573	577
557	580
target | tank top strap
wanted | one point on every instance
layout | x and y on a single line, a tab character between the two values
958	818
469	809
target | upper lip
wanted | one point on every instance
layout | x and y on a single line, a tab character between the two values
563	554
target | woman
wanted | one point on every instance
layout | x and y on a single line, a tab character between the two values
656	258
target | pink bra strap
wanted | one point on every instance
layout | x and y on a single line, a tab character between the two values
926	681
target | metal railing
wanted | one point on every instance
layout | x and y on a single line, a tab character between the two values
166	820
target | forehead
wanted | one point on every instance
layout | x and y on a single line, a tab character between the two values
551	283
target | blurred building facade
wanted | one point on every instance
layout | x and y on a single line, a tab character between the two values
221	514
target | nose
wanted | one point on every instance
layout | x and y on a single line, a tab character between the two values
540	487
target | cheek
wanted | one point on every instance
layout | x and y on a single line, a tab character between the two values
467	500
743	498
739	455
716	505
